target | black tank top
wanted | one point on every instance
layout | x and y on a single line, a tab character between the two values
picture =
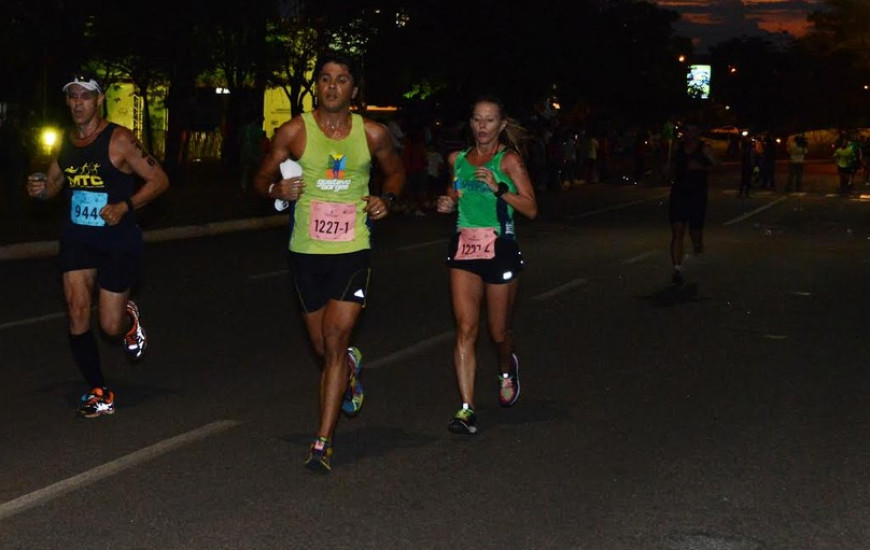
686	177
88	169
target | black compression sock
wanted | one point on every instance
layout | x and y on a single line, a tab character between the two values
87	358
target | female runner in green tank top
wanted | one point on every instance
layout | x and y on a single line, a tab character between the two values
489	184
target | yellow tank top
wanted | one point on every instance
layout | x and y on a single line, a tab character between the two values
328	218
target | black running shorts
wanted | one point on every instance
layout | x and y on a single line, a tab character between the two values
688	207
322	277
118	261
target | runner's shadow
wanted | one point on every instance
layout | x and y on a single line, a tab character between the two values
527	412
673	295
71	391
369	442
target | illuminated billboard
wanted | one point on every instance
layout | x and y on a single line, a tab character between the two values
698	81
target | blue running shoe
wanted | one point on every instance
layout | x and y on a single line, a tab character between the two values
353	397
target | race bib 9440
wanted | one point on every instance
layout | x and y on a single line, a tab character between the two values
85	208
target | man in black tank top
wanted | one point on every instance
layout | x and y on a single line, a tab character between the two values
101	245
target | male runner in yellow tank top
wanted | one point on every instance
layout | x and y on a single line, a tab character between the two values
330	215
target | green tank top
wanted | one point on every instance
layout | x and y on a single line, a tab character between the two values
328	218
477	205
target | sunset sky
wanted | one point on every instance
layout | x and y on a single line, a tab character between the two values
712	21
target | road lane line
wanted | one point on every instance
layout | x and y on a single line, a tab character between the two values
640	257
559	289
410	351
41	496
32	320
751	213
615	207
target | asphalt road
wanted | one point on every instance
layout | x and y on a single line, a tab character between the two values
727	414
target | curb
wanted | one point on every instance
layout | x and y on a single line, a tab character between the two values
38	249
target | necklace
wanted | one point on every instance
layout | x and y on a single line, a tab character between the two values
94	131
334	128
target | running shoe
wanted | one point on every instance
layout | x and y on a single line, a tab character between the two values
463	422
353	397
97	402
135	341
509	384
318	455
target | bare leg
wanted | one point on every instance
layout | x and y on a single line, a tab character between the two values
330	329
499	310
467	294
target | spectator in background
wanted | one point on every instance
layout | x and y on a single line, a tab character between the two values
747	165
590	150
250	150
768	162
415	159
844	157
797	151
436	172
865	155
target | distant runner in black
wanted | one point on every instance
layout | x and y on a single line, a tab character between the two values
688	199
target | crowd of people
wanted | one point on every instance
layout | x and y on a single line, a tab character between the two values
558	155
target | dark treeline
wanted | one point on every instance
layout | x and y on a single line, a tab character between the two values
611	61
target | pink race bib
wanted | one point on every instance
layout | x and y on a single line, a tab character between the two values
476	243
332	221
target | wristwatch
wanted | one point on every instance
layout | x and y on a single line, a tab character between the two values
388	199
502	189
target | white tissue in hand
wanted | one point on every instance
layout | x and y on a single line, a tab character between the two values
289	169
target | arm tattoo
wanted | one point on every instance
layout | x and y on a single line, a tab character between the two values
145	155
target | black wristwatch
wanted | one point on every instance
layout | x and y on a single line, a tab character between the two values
388	199
502	189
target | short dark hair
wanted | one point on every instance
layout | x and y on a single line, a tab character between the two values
339	58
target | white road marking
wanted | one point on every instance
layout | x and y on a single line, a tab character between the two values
615	207
32	320
640	257
559	289
109	469
410	351
751	213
